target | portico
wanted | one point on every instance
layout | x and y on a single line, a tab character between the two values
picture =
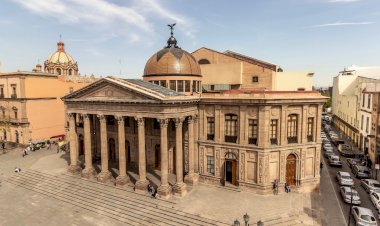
131	111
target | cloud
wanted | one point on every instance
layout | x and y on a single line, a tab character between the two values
130	20
343	24
340	1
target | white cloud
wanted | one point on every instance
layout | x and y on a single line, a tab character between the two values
132	20
343	24
345	0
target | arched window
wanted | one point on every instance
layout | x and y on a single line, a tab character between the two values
59	71
70	71
292	128
231	128
204	61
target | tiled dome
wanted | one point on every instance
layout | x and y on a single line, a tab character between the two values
60	56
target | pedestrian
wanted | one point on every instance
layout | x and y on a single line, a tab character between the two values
3	145
25	152
275	187
57	148
17	170
287	188
149	188
153	192
321	165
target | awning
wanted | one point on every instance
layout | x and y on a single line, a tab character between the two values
58	136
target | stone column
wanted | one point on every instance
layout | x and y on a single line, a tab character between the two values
105	174
88	171
74	167
164	190
196	146
179	188
142	183
190	177
122	179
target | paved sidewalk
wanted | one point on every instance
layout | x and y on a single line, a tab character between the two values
332	211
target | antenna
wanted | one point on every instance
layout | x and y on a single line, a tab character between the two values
120	66
60	37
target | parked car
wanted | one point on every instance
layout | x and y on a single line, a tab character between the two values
363	216
328	153
361	171
375	199
347	153
344	178
336	141
335	161
346	193
370	185
327	145
352	162
326	141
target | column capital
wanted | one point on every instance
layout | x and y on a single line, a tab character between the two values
86	116
140	121
191	118
163	122
119	119
178	121
71	115
101	117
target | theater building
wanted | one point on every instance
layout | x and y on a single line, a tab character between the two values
244	136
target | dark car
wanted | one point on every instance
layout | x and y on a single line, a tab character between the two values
336	142
352	162
347	153
361	172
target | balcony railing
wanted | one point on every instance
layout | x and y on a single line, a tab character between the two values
14	96
292	140
230	139
252	140
273	141
309	138
2	95
210	136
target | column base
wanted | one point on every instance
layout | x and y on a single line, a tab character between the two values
122	180
164	191
191	179
88	173
74	169
104	176
141	186
179	189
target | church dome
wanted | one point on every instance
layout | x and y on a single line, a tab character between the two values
172	60
60	56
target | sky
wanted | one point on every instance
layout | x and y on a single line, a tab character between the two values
117	37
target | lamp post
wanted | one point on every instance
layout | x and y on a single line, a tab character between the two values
246	221
246	218
349	214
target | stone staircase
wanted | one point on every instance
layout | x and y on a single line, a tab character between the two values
119	204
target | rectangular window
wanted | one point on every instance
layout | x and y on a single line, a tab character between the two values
1	92
255	79
363	100
310	129
292	129
180	86
367	124
362	122
195	86
156	82
273	131
14	94
173	85
199	86
210	164
230	128
15	114
163	83
210	128
252	131
187	86
369	101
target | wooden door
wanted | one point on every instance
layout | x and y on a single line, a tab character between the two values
291	166
234	172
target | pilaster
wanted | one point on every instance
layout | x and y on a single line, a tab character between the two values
88	171
164	190
142	183
74	167
105	175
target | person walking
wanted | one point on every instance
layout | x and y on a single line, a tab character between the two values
17	170
24	152
275	187
321	166
287	188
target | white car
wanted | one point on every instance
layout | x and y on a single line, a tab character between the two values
363	216
346	193
344	178
370	185
375	198
327	145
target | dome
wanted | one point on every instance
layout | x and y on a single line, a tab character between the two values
60	56
172	61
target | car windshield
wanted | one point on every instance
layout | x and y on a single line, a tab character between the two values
376	185
355	193
367	218
335	158
346	177
364	171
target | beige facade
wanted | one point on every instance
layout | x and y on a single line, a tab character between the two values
212	138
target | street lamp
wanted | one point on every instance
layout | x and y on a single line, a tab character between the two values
246	218
349	214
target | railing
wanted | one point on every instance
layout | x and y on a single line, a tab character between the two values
210	136
252	141
230	139
292	140
1	95
14	96
273	141
309	138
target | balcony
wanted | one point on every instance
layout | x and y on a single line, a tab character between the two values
210	136
14	96
292	140
230	139
252	140
2	95
309	138
274	141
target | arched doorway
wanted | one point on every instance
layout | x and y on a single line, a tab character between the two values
128	151
230	168
111	150
157	157
291	166
81	145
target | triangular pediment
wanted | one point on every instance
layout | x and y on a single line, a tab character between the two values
107	89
